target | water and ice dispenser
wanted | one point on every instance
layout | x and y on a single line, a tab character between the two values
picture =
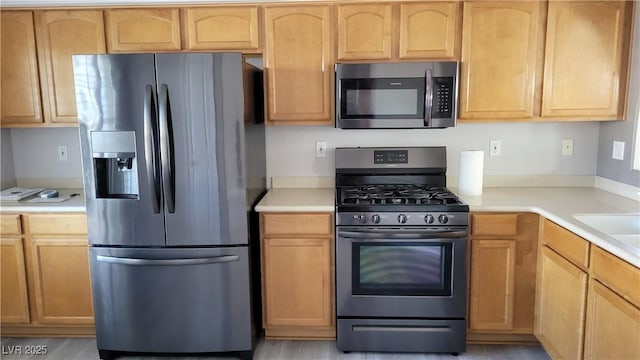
115	165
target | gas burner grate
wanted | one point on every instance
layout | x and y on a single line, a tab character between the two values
397	195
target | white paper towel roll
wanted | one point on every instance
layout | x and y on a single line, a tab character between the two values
470	172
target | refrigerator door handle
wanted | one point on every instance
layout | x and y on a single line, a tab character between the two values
151	157
168	262
166	143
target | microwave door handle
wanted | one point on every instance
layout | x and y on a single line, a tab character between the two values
428	97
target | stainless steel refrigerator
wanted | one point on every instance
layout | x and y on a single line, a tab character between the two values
173	161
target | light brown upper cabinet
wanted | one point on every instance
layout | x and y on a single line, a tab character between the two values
364	31
221	28
499	58
428	30
298	64
134	30
586	60
61	34
19	92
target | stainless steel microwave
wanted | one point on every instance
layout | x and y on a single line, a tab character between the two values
396	95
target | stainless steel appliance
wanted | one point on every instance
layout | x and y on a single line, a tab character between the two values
173	161
396	95
401	240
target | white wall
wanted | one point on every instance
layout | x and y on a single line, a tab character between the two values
35	153
8	174
527	148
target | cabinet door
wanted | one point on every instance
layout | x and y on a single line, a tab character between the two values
14	304
492	284
61	34
297	280
583	59
364	32
613	326
561	296
61	280
428	30
19	91
134	30
499	53
298	63
221	28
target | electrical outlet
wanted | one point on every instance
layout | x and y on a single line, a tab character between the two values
567	147
496	148
321	148
63	153
618	150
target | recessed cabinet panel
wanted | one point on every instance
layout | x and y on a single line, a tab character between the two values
62	34
561	296
221	28
131	30
492	284
613	326
428	30
364	31
298	65
14	304
61	280
19	91
499	42
583	59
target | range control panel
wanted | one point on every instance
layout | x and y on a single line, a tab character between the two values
390	156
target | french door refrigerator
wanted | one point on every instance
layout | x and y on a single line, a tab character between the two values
173	161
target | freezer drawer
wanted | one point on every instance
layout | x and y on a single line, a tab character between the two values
402	335
172	300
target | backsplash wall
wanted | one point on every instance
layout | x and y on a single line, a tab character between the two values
532	149
527	148
35	153
8	177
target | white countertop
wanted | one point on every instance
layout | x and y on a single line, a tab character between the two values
556	204
74	204
298	200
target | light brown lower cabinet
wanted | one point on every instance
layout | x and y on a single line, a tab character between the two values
560	306
613	325
297	276
55	286
502	280
14	303
587	300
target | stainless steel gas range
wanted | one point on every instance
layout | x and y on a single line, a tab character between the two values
401	241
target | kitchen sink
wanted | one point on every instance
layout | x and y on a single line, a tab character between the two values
622	227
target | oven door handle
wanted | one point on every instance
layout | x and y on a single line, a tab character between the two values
402	235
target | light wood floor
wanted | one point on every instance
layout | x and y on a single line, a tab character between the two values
85	349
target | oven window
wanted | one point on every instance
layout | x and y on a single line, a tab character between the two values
401	98
420	269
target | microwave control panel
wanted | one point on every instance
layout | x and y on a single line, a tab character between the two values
442	98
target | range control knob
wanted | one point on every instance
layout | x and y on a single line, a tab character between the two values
375	219
402	218
360	218
443	219
429	219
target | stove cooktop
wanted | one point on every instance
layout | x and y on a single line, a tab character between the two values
398	197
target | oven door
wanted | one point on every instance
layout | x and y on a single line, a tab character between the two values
401	272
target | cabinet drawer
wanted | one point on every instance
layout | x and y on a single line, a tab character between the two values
494	224
566	243
297	224
57	224
10	224
619	275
